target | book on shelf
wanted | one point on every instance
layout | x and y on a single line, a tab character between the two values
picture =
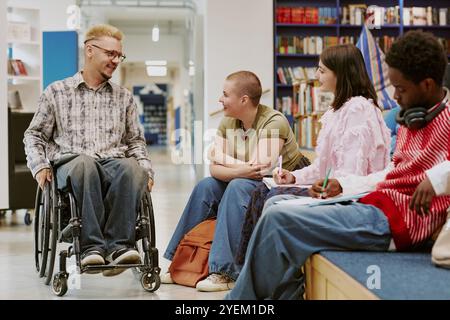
357	14
309	103
385	42
353	14
310	99
306	15
16	67
284	105
312	45
425	16
290	75
14	100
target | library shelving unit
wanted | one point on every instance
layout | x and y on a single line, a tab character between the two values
21	46
154	114
24	38
341	20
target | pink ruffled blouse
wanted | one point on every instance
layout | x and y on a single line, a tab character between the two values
352	140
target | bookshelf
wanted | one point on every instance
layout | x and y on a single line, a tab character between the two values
302	29
20	43
24	51
155	119
154	109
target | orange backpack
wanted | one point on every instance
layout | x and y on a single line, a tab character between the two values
190	262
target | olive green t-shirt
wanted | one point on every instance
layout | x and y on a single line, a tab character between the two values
268	123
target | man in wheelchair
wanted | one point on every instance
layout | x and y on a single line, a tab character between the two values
87	127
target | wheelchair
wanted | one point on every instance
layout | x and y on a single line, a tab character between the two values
57	220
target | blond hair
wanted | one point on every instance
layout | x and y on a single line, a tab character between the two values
103	30
247	83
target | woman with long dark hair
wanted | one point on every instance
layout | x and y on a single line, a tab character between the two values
354	138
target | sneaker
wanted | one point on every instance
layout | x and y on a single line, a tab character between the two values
167	278
92	258
121	256
215	282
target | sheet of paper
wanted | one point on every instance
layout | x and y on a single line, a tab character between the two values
270	183
312	202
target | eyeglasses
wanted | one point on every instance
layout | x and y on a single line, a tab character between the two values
111	53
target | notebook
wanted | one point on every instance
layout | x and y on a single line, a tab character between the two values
270	183
312	202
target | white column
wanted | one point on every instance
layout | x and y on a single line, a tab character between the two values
4	185
238	36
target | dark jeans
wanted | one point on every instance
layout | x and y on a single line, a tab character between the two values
288	234
254	210
108	194
226	201
256	205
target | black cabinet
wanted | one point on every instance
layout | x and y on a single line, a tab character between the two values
22	186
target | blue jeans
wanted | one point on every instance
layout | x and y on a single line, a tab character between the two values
286	235
228	201
108	193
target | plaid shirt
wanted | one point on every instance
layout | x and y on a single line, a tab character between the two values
74	119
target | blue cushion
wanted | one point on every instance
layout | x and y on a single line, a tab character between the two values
403	276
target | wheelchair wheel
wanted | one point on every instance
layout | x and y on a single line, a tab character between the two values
41	230
53	232
27	218
59	284
150	281
36	229
45	231
148	211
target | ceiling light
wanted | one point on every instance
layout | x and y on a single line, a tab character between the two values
155	33
156	71
156	63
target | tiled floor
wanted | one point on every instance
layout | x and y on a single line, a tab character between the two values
19	280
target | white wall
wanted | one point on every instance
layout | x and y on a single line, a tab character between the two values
141	48
238	36
53	12
4	193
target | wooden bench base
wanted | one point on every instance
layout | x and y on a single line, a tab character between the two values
325	281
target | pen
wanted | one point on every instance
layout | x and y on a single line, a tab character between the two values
325	182
280	162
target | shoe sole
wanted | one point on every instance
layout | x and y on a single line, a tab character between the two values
94	261
214	289
166	279
127	258
94	271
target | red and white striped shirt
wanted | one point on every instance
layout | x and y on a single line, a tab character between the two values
416	152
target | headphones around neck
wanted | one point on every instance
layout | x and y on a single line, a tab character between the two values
417	118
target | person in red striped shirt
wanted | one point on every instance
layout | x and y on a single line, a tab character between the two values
403	208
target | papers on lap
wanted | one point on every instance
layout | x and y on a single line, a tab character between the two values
270	183
312	202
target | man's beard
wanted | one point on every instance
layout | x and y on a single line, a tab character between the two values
105	76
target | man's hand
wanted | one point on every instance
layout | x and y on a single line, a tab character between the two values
332	189
286	177
252	171
150	184
42	176
421	199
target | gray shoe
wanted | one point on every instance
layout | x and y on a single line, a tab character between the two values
121	256
215	282
92	258
167	278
